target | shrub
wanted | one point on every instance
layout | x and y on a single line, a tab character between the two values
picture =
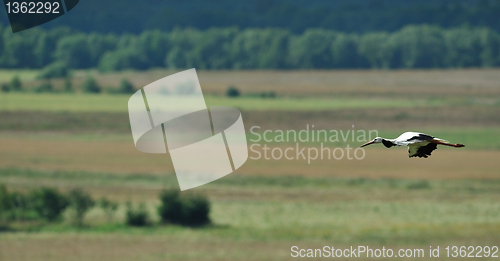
68	86
48	203
80	202
137	217
186	210
171	208
196	211
232	92
5	206
270	94
5	87
44	87
91	86
15	206
109	208
422	184
125	87
54	70
15	84
22	207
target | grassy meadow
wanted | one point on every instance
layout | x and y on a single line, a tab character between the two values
267	206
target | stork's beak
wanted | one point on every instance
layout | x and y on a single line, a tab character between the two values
368	143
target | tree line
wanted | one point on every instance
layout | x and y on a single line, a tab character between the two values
413	46
121	16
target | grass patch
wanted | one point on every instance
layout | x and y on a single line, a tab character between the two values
267	213
118	102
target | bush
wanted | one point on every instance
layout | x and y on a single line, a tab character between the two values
15	206
138	217
187	210
80	202
5	88
171	208
44	87
270	95
196	211
68	86
54	70
48	203
232	92
422	184
125	87
5	206
15	84
91	86
109	208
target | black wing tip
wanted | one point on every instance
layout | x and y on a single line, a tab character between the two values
425	151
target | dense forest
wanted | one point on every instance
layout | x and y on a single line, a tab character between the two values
421	46
351	16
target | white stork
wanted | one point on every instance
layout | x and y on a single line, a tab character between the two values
419	144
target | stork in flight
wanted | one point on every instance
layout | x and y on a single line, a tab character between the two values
419	144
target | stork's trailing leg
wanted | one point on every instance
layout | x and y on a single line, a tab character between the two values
457	145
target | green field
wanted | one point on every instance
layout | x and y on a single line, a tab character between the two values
266	207
118	103
278	212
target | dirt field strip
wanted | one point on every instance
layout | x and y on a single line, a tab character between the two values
122	157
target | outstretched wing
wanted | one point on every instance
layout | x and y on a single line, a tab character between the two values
421	149
408	138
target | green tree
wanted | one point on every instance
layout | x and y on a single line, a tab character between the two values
6	205
490	48
68	85
153	46
5	87
45	86
417	47
109	207
375	49
232	92
81	202
213	51
15	84
49	204
187	210
122	59
90	86
99	45
182	43
18	49
463	47
54	70
345	52
312	49
260	48
126	87
137	217
46	44
74	51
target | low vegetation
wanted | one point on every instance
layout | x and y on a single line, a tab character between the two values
48	205
187	209
45	85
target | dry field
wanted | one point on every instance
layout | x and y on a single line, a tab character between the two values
267	206
121	157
